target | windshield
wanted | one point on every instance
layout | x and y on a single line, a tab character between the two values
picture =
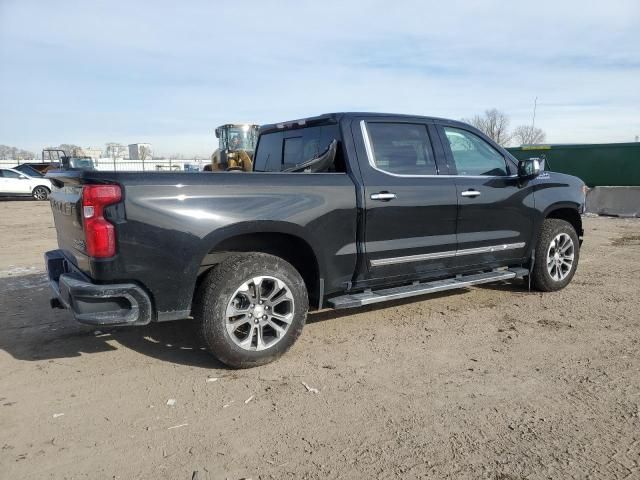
85	163
242	137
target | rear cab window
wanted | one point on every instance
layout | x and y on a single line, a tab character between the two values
277	151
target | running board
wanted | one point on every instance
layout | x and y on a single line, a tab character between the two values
369	296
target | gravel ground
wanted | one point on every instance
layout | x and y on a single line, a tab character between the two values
491	382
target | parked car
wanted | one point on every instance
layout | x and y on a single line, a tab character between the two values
14	183
341	210
28	170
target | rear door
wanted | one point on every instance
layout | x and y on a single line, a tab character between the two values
495	212
410	210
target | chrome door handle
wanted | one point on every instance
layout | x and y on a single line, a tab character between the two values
470	193
384	196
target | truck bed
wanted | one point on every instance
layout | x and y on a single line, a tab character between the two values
167	223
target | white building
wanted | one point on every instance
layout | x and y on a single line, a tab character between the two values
115	150
140	151
92	152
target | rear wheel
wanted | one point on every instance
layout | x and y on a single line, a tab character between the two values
557	255
250	309
40	193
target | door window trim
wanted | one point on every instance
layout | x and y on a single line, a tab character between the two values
369	150
440	129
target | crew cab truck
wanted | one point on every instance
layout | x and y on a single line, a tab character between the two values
340	210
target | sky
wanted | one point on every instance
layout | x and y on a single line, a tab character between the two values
167	73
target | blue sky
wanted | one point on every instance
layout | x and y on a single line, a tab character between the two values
90	72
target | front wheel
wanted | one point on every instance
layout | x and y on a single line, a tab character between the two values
557	254
40	193
250	309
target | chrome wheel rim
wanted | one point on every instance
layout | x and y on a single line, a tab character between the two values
40	193
259	313
560	255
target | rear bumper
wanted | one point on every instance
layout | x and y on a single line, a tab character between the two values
96	304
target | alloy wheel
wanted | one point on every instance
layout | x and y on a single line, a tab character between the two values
560	256
259	313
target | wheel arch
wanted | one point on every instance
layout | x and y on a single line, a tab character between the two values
567	212
281	242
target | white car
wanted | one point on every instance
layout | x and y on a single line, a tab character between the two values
17	184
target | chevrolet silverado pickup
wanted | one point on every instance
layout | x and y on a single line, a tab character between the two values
340	210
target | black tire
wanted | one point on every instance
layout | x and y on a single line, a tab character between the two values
542	279
40	193
220	286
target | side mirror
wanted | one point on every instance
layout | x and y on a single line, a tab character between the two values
530	168
23	177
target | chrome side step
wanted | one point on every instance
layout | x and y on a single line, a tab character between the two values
375	296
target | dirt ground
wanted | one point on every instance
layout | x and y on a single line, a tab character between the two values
492	382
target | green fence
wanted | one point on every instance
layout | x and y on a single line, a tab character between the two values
610	164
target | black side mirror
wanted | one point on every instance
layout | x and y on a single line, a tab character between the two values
530	168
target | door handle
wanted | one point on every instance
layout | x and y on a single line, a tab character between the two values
470	193
383	196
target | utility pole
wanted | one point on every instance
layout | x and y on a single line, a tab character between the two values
533	121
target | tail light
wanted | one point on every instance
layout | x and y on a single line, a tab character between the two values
100	235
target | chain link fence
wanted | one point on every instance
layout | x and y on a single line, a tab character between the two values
157	165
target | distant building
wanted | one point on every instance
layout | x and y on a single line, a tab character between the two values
92	152
115	150
140	151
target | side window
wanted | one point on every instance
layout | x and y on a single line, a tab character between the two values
269	153
474	156
10	174
402	148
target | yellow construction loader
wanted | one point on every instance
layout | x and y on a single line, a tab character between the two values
237	141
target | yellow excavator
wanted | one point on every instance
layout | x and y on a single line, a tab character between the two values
237	142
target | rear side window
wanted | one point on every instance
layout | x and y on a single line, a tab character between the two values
9	174
402	148
473	156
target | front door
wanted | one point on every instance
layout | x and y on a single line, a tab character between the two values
495	212
410	211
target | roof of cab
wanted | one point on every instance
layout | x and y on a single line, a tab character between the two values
332	118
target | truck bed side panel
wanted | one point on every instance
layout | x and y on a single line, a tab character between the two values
173	220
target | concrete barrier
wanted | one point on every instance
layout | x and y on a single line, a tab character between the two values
615	201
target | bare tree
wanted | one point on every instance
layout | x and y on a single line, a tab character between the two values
494	124
70	149
529	135
13	153
144	152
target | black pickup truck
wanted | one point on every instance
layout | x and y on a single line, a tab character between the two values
340	210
